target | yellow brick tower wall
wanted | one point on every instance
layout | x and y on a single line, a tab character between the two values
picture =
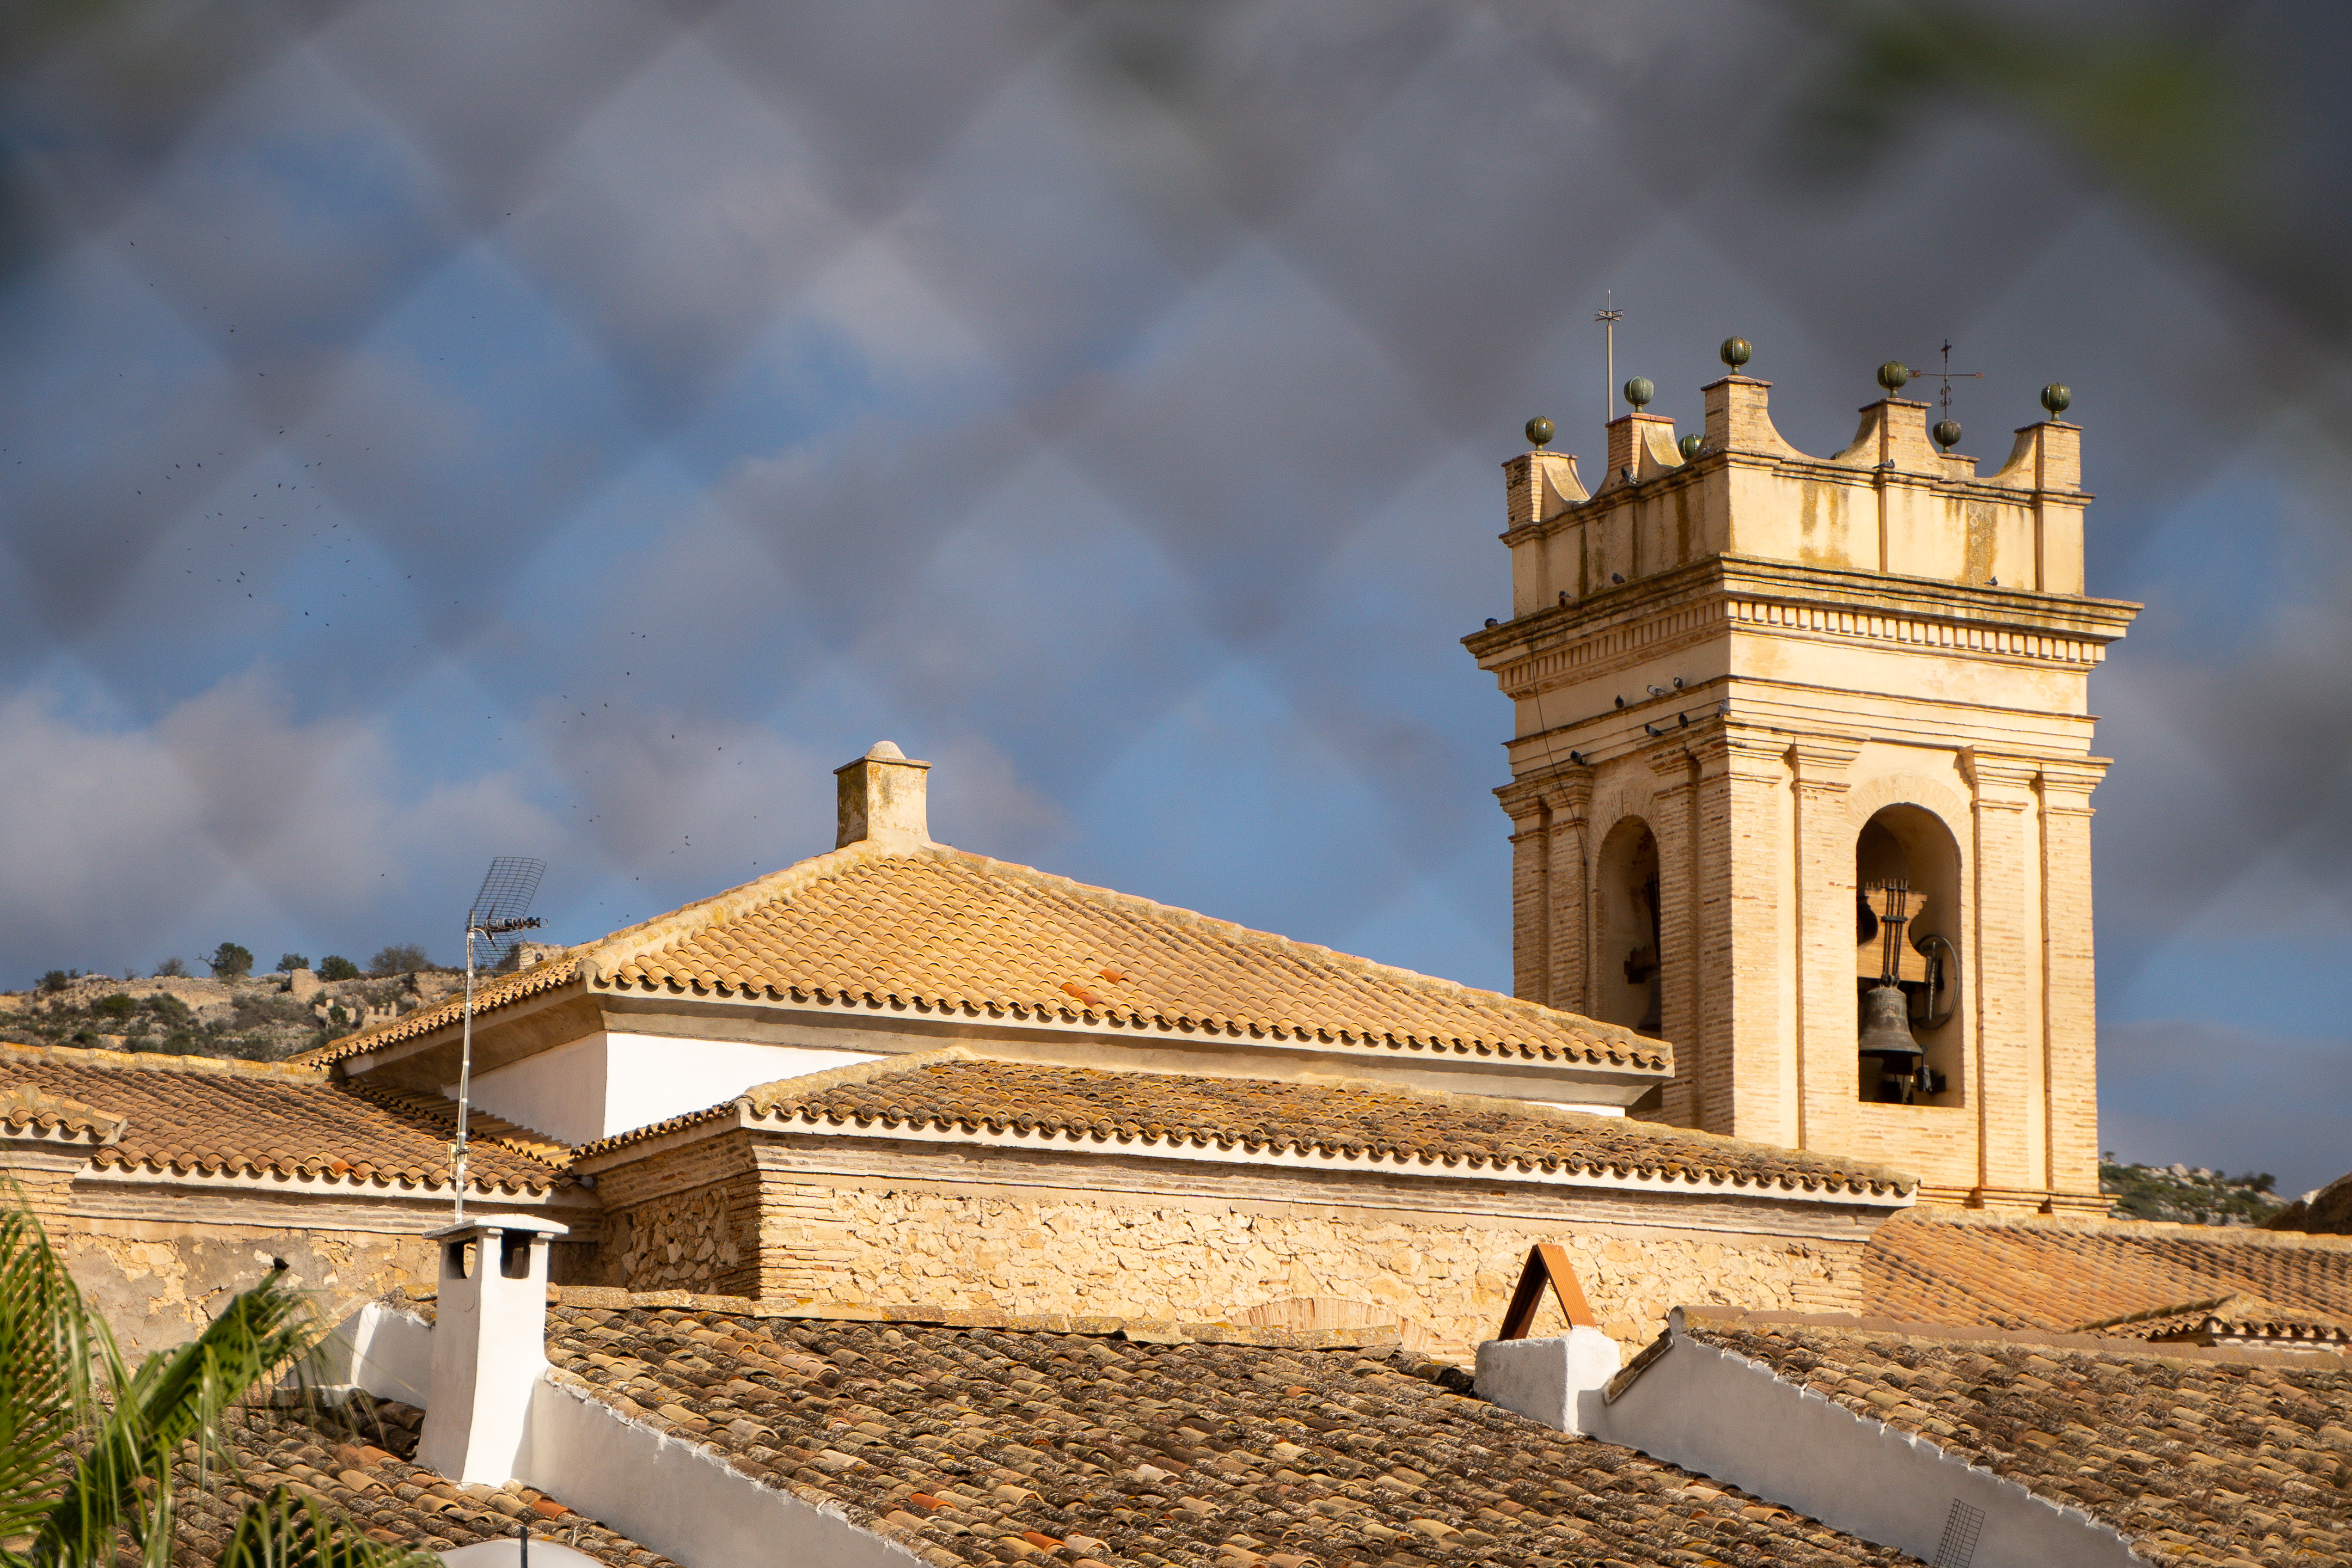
1755	653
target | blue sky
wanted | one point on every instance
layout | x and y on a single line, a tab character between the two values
429	436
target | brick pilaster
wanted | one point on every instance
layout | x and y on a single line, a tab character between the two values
2069	977
1829	1069
1570	875
1741	776
1674	806
2006	1086
1530	894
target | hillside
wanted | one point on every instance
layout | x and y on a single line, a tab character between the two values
2188	1194
261	1018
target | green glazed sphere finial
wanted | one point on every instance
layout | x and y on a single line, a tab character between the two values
1736	352
1946	434
2057	398
1893	375
1539	432
1639	390
1689	445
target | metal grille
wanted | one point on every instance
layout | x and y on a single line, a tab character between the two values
1959	1547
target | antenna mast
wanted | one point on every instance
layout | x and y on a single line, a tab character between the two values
499	910
1609	317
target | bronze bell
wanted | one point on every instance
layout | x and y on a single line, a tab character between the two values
1886	1029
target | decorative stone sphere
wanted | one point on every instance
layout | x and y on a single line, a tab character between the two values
1539	431
2056	398
1689	445
1893	375
1947	433
1639	390
1736	352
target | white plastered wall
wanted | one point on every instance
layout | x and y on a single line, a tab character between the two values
611	1082
1721	1414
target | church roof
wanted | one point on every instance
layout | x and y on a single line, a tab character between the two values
198	1115
957	1092
937	931
2196	1456
991	1445
2237	1316
1931	1265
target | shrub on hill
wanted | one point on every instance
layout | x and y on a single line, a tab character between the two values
335	967
399	958
230	961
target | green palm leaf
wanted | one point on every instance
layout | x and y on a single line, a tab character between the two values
46	1352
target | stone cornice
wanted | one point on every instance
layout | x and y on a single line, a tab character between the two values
1690	604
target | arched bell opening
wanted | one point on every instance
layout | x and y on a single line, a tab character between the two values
1907	958
1629	986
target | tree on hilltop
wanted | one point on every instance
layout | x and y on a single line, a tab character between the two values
335	967
399	958
230	962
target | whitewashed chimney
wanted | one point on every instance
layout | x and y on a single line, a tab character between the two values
489	1345
881	800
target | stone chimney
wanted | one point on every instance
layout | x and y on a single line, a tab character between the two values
489	1345
880	800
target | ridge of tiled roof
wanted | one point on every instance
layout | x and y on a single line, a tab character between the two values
956	1090
1940	1265
2198	1456
984	1447
2240	1315
26	1108
196	1115
939	930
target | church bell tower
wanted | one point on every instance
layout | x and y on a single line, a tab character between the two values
1800	780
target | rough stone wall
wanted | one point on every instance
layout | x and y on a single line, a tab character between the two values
1445	1278
686	1219
158	1285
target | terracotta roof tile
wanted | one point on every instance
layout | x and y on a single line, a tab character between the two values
2239	1316
955	1091
1938	1265
196	1114
2201	1457
356	1460
989	1446
939	930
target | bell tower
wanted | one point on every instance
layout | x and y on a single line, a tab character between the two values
1800	780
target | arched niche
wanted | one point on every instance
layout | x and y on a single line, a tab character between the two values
1903	842
1628	985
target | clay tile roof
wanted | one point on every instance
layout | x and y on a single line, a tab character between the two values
939	929
356	1460
1943	1267
2199	1458
202	1115
988	1446
955	1091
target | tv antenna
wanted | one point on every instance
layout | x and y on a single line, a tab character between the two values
1609	317
499	910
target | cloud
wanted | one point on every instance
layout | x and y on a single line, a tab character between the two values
230	818
2233	1098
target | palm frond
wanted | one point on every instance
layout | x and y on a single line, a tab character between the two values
124	1485
47	1342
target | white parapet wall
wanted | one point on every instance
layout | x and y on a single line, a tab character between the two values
1547	1379
1733	1419
389	1354
682	1500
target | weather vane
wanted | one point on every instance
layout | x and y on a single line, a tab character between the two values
1609	317
1894	373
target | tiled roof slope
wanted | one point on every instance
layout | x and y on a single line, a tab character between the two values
984	1447
1940	1267
956	1091
196	1114
356	1460
2210	1457
937	929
